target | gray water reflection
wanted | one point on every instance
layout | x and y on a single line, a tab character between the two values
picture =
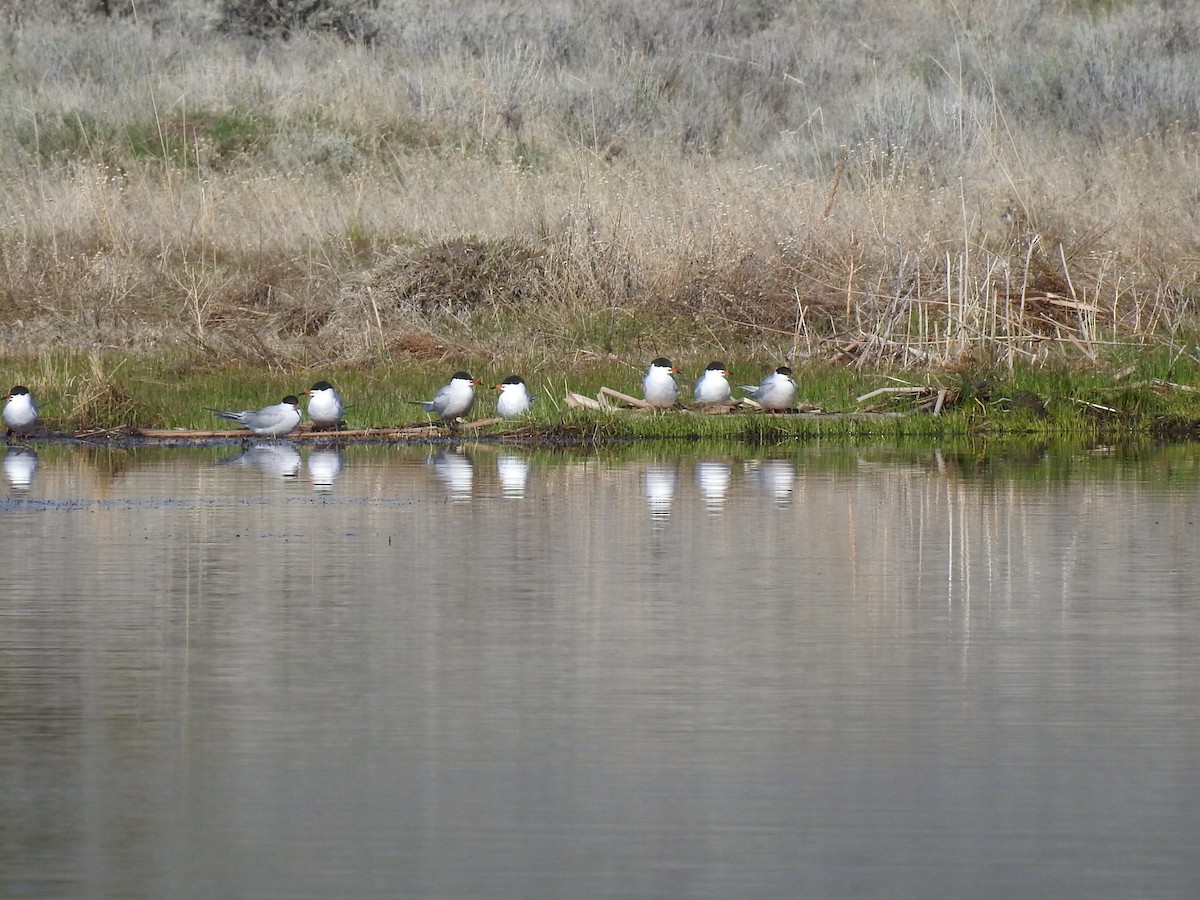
659	480
485	673
20	465
275	458
324	467
776	478
454	468
713	478
513	472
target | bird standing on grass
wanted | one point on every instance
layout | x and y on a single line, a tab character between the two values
454	399
270	421
325	407
776	393
20	412
713	385
514	399
659	387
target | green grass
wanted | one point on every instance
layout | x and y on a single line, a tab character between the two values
98	391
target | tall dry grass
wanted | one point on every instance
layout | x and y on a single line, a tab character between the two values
919	183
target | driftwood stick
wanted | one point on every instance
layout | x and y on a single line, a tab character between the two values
1159	382
481	423
579	401
624	398
348	434
892	390
1056	300
1091	405
181	433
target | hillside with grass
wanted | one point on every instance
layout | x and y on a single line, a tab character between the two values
913	186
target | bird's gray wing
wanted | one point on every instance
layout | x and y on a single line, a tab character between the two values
440	399
231	416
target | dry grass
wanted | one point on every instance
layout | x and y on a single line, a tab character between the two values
88	394
552	181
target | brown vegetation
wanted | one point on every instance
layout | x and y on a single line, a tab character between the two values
915	184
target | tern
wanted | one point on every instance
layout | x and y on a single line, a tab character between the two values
777	392
713	385
454	399
270	421
325	407
659	387
515	399
20	412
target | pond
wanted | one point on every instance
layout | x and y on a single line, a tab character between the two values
475	671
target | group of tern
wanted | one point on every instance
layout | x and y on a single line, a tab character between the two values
452	401
776	393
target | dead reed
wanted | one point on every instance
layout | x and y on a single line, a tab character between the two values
547	184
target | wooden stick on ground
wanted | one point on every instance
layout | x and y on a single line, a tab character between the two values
892	390
348	434
1095	406
1159	382
481	423
579	401
624	398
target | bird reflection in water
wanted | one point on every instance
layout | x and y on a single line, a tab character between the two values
324	466
513	472
280	459
454	469
713	479
776	477
659	482
20	463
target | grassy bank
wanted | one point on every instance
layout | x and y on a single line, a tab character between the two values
865	190
1148	397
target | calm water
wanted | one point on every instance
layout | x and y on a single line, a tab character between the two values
839	672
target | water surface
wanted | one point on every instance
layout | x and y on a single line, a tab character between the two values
478	672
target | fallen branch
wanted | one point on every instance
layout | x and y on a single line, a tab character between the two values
892	390
1097	406
481	423
624	398
1160	383
348	434
579	401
